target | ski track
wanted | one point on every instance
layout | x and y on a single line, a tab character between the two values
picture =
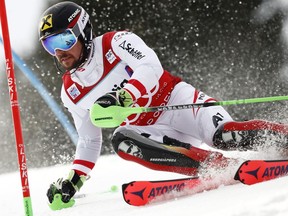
264	199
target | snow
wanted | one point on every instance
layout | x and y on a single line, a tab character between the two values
263	199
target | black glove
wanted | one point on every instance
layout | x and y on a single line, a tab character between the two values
66	188
119	98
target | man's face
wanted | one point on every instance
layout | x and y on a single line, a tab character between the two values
68	59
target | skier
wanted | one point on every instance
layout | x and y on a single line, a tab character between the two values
119	69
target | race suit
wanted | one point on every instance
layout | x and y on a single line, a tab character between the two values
122	60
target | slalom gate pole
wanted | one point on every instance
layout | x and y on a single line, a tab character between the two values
46	95
15	112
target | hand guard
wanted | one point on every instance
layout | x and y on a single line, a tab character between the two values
119	98
66	188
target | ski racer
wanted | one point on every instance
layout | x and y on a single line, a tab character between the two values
119	69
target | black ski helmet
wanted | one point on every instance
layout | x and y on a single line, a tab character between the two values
67	15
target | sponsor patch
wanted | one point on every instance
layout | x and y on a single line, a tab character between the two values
74	15
110	56
119	36
73	91
46	22
216	118
131	50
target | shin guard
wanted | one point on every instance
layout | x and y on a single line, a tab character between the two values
249	135
175	157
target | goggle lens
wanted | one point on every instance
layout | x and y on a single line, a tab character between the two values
63	41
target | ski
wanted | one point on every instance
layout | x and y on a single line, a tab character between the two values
255	171
139	193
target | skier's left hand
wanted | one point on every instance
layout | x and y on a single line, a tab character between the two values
116	98
66	188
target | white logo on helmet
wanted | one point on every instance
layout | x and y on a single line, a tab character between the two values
84	18
73	15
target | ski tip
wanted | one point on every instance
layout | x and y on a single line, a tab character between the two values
58	204
125	192
135	193
124	186
239	172
237	177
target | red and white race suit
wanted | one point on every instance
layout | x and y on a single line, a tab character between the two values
122	60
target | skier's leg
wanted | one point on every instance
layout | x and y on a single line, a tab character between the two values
215	126
250	135
173	156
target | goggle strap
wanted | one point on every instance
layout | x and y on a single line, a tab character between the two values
76	30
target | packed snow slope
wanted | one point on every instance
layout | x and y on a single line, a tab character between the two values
263	199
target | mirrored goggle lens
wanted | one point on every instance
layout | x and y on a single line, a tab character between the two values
63	41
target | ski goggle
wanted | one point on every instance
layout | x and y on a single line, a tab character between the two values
62	41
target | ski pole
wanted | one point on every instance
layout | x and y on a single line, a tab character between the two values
217	103
15	112
113	116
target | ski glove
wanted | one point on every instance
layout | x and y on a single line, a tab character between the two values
66	188
116	98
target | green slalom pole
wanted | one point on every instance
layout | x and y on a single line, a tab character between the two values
217	103
113	116
252	100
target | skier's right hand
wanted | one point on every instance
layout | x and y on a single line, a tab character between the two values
116	98
66	188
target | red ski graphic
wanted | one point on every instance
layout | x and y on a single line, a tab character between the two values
140	193
256	171
250	172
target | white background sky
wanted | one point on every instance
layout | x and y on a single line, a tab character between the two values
23	18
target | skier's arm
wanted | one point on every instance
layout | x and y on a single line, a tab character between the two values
146	67
144	62
87	152
89	142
